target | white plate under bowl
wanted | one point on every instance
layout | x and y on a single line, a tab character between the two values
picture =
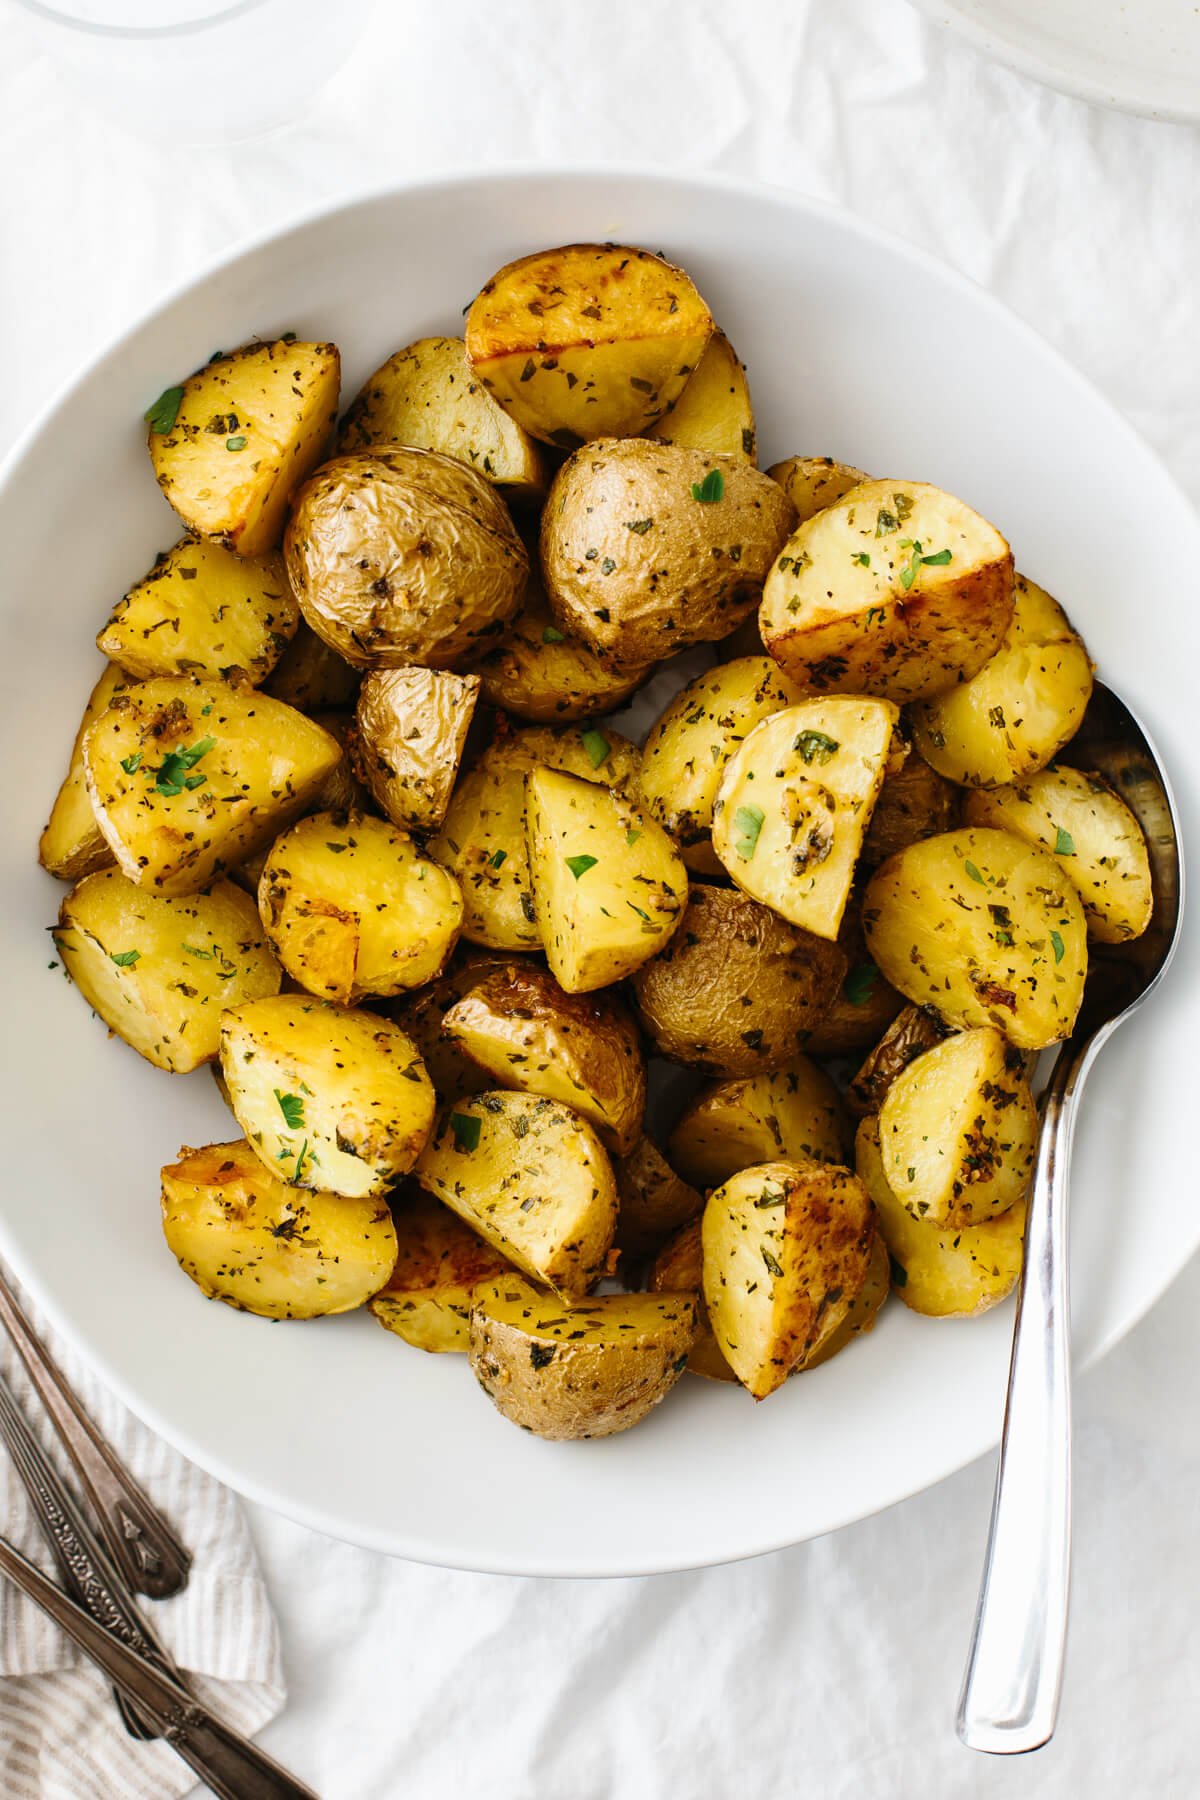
859	347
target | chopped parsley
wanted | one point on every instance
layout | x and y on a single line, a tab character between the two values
170	776
631	837
162	415
597	746
862	559
130	763
292	1108
918	559
579	865
466	1131
814	746
1057	945
124	959
747	823
973	872
235	443
495	861
711	489
195	950
859	984
552	635
770	1261
1064	843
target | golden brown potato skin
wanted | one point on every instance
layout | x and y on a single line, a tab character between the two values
312	677
410	730
914	802
909	1035
714	411
654	1201
420	1014
738	988
427	1298
536	671
812	483
636	566
863	1006
73	845
403	556
680	1265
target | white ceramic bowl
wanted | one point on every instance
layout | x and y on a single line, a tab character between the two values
858	346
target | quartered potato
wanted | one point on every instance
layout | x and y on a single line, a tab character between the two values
580	1371
678	1267
312	677
862	1311
188	778
536	671
204	611
914	802
713	413
609	887
946	1271
786	1247
533	1179
1092	835
654	1201
1017	712
412	726
247	1237
812	483
421	1013
587	341
331	1100
160	972
234	442
737	988
439	1263
909	1035
986	929
794	803
582	1049
427	395
73	845
794	1115
864	1005
340	792
897	589
353	908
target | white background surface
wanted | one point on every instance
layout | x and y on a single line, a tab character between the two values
832	1669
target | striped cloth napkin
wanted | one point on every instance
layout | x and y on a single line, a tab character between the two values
60	1734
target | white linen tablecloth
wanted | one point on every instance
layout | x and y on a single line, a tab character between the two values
832	1669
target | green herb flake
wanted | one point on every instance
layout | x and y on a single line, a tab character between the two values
124	959
814	746
973	872
1057	945
552	635
130	763
747	823
885	522
859	984
596	745
466	1131
169	776
1064	843
863	560
579	865
495	861
235	443
770	1261
162	415
292	1108
196	950
631	837
639	526
899	1273
711	489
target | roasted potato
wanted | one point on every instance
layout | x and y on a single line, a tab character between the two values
587	341
340	792
234	442
312	677
654	1201
794	803
713	413
609	887
812	483
685	754
737	988
532	1178
786	1247
204	611
945	1271
331	1100
582	1049
914	802
1091	834
580	1371
862	1311
402	556
679	1266
427	395
792	1115
440	1262
72	844
537	672
159	972
1017	712
411	728
897	589
647	548
909	1035
986	929
420	1014
352	907
246	1237
864	1005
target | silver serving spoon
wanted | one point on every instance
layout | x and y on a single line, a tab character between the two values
1010	1692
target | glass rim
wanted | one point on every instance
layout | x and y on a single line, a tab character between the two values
45	9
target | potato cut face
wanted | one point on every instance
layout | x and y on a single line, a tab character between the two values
794	1115
609	887
580	1371
958	1130
984	928
587	341
335	1101
204	611
412	726
234	442
483	838
421	1013
786	1246
714	412
655	1201
1092	835
679	1266
187	778
536	671
527	1033
864	1005
312	677
812	483
794	804
249	1239
533	1179
897	589
352	907
862	1312
910	1034
160	972
72	844
427	395
1024	704
914	802
439	1263
943	1271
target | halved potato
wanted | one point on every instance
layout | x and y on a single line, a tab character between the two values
986	929
538	671
533	1179
914	802
581	1371
439	1264
160	972
909	1035
786	1248
862	1311
340	792
1092	835
249	1239
312	677
188	778
609	887
231	445
794	1115
678	1267
812	483
713	413
420	1014
204	611
654	1201
587	341
944	1271
72	844
353	908
412	727
794	803
897	589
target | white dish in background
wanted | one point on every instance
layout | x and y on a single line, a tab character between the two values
858	346
1141	57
